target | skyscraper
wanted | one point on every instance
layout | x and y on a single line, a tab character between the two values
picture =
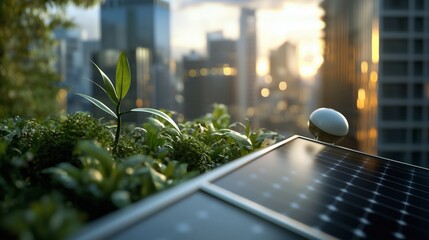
339	72
210	80
282	99
246	57
69	65
141	28
403	119
382	50
221	50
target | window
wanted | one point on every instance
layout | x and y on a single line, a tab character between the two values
417	136
395	24
425	90
417	113
426	50
427	140
393	135
394	113
394	90
418	46
396	155
418	68
427	117
418	91
419	5
395	4
416	158
395	68
395	46
418	24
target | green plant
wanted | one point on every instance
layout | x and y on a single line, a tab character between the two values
57	174
118	92
65	169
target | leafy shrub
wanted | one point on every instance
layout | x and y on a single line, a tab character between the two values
67	169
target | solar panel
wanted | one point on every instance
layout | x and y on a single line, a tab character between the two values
201	216
342	193
299	188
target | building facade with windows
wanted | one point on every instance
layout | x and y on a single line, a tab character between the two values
376	71
403	119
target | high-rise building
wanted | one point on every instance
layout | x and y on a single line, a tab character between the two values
282	102
376	70
220	50
403	119
195	78
141	28
210	80
246	58
90	47
339	72
69	65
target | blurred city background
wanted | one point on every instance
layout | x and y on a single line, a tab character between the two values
272	62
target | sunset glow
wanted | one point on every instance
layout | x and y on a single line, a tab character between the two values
262	66
298	22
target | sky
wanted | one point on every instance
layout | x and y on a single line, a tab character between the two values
296	21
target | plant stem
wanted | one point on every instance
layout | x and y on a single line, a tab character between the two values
118	127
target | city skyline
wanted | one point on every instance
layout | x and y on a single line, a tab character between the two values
278	21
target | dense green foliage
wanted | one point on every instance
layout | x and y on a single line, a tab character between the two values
56	175
29	84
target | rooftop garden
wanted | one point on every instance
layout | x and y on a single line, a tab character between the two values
58	174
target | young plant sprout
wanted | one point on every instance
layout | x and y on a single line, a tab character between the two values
118	92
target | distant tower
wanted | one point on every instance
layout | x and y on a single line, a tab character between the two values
210	80
220	50
246	51
69	65
285	105
340	71
141	28
90	47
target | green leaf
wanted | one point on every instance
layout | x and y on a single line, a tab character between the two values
241	139
123	76
159	181
99	104
108	86
159	114
62	176
121	198
99	153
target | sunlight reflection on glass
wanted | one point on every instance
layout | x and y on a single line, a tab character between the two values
302	156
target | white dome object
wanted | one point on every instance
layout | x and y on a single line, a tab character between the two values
328	125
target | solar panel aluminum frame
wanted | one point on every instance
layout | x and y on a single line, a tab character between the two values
124	218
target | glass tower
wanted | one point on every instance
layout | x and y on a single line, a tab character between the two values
131	25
